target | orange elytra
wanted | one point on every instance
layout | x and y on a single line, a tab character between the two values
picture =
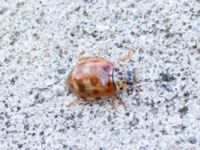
95	78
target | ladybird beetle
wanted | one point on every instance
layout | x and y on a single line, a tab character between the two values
95	78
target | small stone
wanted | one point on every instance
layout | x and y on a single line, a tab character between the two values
134	122
70	59
18	108
61	71
186	94
8	124
12	81
3	10
167	77
109	118
183	110
192	140
20	145
41	133
26	127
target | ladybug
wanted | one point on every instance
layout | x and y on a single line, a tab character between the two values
95	78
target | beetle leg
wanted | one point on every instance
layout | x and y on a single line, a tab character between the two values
98	53
127	57
69	92
121	102
81	54
135	81
113	105
73	103
81	57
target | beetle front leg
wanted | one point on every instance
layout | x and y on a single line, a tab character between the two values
125	58
121	103
80	56
73	103
113	104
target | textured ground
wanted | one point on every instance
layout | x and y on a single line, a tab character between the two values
40	42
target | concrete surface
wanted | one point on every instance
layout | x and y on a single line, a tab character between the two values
40	42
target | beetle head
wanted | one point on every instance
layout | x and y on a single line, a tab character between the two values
123	78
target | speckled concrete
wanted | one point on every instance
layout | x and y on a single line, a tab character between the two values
40	42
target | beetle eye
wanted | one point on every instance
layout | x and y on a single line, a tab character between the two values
116	69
